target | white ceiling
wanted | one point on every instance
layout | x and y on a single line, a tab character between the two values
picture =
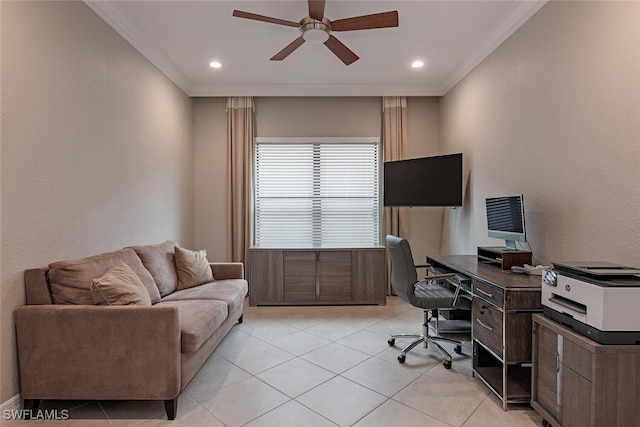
182	37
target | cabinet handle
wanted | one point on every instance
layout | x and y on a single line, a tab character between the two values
487	294
483	325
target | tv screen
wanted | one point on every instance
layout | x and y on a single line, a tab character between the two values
505	219
425	181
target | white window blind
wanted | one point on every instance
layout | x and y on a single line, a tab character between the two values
321	193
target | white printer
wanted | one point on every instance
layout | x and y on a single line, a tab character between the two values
599	300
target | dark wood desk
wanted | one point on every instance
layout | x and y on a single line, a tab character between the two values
502	306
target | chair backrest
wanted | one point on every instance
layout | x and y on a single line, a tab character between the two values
403	270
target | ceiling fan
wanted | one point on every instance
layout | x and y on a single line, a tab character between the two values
316	28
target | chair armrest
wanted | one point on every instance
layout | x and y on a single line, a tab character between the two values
98	352
227	270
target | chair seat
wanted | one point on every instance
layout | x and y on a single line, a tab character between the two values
432	295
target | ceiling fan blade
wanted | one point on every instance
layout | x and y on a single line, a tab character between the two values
256	17
366	22
316	9
341	51
288	50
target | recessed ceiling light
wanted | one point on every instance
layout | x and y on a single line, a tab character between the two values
215	64
417	64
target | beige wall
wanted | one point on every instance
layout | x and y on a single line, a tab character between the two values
210	134
97	149
318	117
554	113
424	229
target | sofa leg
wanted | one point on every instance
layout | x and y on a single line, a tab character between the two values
240	318
171	408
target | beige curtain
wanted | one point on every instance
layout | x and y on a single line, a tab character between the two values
394	140
240	139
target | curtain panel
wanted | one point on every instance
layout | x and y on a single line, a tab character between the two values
240	141
394	140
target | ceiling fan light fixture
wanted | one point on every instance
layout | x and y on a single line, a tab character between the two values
314	31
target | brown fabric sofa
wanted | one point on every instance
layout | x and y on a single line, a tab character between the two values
69	348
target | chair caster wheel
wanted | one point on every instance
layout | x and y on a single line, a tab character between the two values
447	364
402	358
458	349
391	342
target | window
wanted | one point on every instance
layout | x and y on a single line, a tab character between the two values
316	193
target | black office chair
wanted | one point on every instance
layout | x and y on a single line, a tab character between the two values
428	294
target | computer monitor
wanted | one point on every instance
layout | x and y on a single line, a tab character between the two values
505	219
425	181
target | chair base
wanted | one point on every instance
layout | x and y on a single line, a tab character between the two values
426	338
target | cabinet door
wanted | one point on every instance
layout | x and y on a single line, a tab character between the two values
335	276
576	399
546	392
265	276
299	276
368	275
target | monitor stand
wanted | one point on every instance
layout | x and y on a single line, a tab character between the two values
503	257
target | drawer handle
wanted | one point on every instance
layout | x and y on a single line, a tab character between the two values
487	294
483	325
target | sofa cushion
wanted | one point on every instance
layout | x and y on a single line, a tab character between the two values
159	259
70	280
193	268
231	291
119	286
198	319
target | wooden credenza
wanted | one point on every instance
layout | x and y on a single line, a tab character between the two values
317	276
578	382
502	306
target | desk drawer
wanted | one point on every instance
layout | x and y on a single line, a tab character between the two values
488	293
487	325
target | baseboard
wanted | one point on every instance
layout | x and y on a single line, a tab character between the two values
12	404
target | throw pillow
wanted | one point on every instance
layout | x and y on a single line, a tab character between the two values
193	268
119	286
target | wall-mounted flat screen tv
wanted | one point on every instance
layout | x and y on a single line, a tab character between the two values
425	181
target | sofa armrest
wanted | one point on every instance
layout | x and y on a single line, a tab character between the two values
227	270
98	352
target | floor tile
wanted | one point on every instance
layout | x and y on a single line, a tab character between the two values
341	401
365	341
333	329
490	413
259	358
392	413
451	403
244	401
384	377
235	341
265	329
215	374
335	357
295	377
291	414
300	342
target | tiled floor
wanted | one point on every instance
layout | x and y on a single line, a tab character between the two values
317	366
